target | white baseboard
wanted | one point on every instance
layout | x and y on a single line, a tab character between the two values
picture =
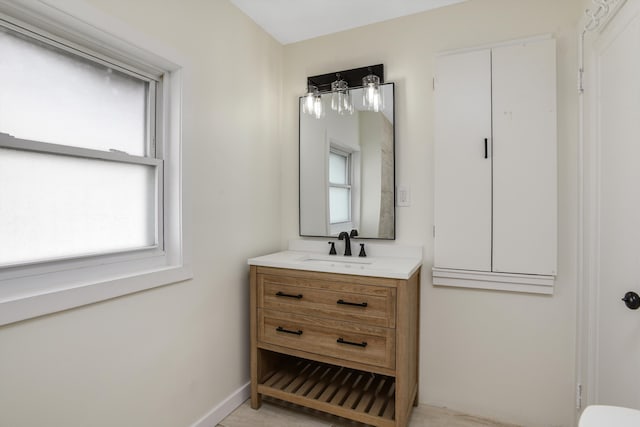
224	408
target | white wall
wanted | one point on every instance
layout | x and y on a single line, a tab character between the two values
313	172
371	139
166	357
502	355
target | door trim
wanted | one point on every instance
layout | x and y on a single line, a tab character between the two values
589	180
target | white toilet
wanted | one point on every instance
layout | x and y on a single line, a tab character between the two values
609	416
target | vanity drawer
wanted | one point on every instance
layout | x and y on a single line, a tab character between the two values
373	305
349	341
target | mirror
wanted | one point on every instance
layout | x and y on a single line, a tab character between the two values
347	170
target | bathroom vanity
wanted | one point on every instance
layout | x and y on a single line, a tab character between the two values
336	334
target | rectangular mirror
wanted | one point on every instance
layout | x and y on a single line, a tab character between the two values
347	170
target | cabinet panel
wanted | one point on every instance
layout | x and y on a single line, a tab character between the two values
346	301
462	206
524	158
366	344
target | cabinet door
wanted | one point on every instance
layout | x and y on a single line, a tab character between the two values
462	199
524	158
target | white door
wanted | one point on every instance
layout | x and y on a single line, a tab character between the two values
462	213
524	158
615	119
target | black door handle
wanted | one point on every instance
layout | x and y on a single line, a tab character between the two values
357	344
632	300
282	294
486	148
287	331
356	304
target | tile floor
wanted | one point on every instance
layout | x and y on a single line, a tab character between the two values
281	414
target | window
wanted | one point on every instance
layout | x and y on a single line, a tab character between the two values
79	171
339	186
89	165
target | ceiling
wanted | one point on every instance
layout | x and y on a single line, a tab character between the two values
290	21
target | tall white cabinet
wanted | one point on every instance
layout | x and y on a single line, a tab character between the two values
496	168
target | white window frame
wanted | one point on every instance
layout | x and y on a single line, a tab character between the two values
32	290
347	156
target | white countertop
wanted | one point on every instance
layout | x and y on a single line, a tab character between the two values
313	259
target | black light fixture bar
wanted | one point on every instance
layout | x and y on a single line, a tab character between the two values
352	77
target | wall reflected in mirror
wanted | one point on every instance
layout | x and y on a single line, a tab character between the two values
347	170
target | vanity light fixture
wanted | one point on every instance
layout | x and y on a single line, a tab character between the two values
312	102
340	84
340	97
372	95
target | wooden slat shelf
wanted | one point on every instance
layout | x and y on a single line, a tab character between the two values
345	392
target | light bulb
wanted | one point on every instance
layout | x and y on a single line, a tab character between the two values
341	98
318	110
309	100
308	103
371	95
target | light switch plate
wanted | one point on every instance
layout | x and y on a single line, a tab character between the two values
403	196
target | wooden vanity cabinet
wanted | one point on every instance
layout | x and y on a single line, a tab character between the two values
343	344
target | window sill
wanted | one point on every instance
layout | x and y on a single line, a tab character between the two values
527	283
55	299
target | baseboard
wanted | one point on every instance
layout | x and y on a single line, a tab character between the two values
224	408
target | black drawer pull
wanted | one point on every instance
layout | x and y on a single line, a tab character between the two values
357	344
287	331
356	304
282	294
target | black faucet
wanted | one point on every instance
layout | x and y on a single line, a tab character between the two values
362	252
347	245
332	250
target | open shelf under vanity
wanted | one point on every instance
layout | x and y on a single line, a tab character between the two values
337	390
